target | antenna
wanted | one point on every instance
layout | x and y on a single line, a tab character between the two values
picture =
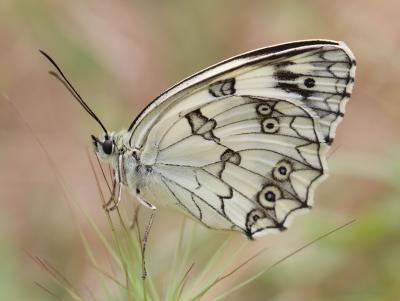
63	79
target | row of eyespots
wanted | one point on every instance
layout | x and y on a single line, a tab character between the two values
269	125
270	193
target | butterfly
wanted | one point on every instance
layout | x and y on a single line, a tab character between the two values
240	145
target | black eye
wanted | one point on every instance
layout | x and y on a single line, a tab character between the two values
107	147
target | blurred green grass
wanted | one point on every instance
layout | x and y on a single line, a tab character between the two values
120	55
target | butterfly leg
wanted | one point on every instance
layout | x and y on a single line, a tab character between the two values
153	208
135	217
145	203
118	180
107	205
145	239
112	204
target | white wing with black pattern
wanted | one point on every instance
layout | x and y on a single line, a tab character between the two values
242	145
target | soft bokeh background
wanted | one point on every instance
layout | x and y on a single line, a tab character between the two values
121	54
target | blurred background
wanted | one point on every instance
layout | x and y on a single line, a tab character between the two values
120	55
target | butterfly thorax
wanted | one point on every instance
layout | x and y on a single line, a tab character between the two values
123	159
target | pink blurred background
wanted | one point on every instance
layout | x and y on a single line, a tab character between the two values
122	54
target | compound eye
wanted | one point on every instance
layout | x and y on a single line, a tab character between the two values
108	147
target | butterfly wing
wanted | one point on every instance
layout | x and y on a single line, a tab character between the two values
242	145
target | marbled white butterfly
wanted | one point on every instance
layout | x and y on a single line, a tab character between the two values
240	145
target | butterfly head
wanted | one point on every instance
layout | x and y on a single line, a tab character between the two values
105	147
110	145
